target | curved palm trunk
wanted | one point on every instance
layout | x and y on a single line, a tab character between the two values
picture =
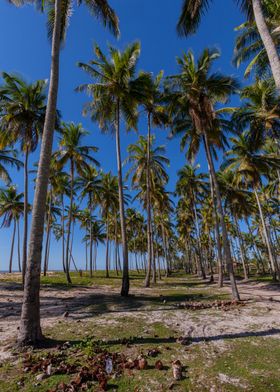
25	216
149	223
241	247
125	277
267	40
217	237
30	328
272	261
69	224
12	247
226	245
18	246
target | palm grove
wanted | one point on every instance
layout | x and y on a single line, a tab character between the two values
224	221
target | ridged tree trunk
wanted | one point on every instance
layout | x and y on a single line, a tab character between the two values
125	277
63	233
201	271
12	247
90	234
107	248
69	224
149	220
30	328
226	246
267	40
272	261
25	216
48	237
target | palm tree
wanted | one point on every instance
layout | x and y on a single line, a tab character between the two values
22	107
96	236
30	329
147	161
193	10
115	95
192	97
72	151
250	164
89	182
11	209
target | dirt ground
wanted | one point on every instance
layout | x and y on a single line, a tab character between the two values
260	316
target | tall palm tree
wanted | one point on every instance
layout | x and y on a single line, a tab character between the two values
115	95
192	97
193	10
250	164
23	109
148	161
30	329
11	209
79	157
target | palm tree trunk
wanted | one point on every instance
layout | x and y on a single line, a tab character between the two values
272	261
69	223
90	234
268	42
25	216
48	236
241	247
12	247
30	328
217	235
200	256
226	246
18	246
107	248
125	277
62	234
149	225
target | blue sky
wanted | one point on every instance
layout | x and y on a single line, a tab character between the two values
25	49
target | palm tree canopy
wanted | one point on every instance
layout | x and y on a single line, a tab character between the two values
113	86
8	158
11	205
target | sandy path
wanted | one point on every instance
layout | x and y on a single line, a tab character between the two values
260	316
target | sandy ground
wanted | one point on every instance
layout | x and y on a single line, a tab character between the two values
260	316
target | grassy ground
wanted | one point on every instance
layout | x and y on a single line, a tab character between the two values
247	363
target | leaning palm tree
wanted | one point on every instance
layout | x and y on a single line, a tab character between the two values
147	161
193	10
11	209
115	96
251	164
192	97
59	12
22	108
79	157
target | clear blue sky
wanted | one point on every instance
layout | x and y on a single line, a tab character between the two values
26	50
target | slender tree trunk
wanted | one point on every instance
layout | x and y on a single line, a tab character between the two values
217	236
200	256
149	223
273	262
18	246
69	224
125	277
12	247
226	245
107	249
241	247
86	255
268	42
63	233
48	236
25	216
30	328
90	234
